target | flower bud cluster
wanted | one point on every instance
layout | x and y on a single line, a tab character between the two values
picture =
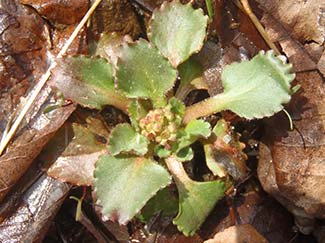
160	126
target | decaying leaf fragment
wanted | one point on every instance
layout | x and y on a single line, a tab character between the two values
29	221
292	167
74	150
15	162
225	154
115	16
58	11
238	234
24	42
305	19
294	50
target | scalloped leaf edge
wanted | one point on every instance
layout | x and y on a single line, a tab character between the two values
165	5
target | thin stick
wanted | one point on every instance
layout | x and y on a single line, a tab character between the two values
44	79
258	25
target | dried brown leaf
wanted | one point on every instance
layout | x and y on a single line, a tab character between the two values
293	167
238	234
24	41
37	208
226	152
74	151
58	11
60	36
321	64
15	162
304	20
115	16
295	51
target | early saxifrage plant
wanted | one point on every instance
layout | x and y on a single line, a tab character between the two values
148	154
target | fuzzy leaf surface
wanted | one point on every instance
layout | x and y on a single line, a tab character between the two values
88	81
252	89
123	185
193	131
191	78
257	88
177	106
144	73
185	154
164	203
196	199
137	110
124	139
178	31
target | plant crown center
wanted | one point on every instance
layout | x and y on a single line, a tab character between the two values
160	126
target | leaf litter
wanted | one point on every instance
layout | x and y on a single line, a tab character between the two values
312	75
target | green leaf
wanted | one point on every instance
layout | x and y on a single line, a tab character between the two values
144	73
185	154
257	88
194	130
123	185
125	139
198	128
177	30
137	110
88	81
161	152
208	3
252	89
196	199
177	106
164	203
191	78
